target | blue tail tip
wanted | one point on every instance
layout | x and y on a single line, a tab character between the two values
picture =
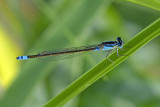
22	57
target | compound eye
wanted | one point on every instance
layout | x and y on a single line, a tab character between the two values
118	39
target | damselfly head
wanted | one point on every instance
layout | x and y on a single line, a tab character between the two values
119	42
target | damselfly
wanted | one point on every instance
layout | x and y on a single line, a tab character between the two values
109	46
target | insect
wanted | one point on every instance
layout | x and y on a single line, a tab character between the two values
108	45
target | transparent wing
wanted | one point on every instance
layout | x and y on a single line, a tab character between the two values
61	54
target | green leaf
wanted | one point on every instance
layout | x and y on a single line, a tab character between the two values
105	66
154	4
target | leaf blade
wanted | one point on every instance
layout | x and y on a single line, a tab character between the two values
154	4
101	69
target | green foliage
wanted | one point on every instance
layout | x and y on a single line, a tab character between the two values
154	4
35	26
105	66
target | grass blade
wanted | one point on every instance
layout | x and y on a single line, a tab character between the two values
154	4
105	66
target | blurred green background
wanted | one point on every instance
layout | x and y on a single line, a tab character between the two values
29	27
